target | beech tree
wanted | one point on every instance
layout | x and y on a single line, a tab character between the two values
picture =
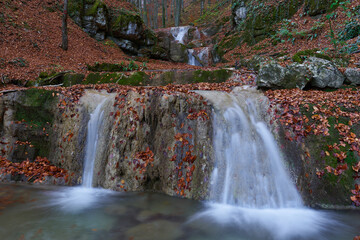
64	44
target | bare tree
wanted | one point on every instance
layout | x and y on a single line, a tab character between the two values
64	44
163	13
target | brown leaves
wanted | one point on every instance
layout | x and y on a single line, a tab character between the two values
35	171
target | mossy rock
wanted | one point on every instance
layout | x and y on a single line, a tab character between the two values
71	79
262	18
301	56
316	7
135	79
187	77
35	106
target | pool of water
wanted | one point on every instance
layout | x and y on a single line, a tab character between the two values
52	212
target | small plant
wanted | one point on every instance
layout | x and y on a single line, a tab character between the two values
20	62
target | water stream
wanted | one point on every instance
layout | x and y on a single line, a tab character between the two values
93	131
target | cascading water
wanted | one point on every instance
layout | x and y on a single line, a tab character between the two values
179	33
249	171
192	60
82	197
93	132
250	187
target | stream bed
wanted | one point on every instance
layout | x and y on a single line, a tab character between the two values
53	212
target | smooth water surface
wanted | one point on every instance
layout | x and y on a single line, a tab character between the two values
51	212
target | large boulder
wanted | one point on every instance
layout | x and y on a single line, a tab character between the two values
273	75
127	26
325	73
353	76
178	52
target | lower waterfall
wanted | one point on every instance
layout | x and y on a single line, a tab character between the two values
250	188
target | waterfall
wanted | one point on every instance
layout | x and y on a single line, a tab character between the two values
192	60
93	131
250	187
249	167
179	33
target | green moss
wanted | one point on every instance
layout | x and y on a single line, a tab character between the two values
302	55
36	107
93	10
71	79
216	76
125	18
136	79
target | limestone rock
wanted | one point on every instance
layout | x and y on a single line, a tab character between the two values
353	76
325	73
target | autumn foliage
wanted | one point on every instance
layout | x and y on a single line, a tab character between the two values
34	171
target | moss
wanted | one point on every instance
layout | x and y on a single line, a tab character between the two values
216	76
301	55
124	19
36	107
73	79
93	10
136	79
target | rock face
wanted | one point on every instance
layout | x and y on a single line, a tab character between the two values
274	75
175	128
255	20
353	76
124	28
325	73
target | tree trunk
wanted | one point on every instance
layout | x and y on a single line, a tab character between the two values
64	44
163	13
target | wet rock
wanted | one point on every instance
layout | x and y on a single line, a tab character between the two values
353	76
324	73
160	230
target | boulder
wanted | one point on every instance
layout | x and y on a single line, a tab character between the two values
178	52
353	76
325	73
127	26
274	75
239	13
271	75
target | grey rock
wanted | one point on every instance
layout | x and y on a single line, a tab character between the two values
325	73
125	45
353	76
274	75
178	52
271	75
239	13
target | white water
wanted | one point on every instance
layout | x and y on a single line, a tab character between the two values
192	60
179	33
250	187
92	137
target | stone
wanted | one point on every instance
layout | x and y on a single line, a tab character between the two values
178	52
239	13
271	75
160	230
126	45
274	75
325	73
353	76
